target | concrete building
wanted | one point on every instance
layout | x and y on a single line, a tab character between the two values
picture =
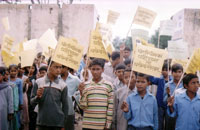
188	28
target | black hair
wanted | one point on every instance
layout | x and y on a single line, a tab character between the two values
115	55
43	68
165	66
109	56
188	77
127	49
35	72
176	67
43	57
120	66
97	61
127	61
50	62
39	55
71	70
12	66
128	69
26	70
2	70
84	56
143	75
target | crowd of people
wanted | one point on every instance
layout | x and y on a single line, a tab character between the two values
108	94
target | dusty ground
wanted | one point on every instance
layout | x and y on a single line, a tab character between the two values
79	121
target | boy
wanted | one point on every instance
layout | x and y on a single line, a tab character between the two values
42	71
51	95
119	122
96	99
119	80
141	109
177	71
160	82
109	67
127	62
127	53
6	101
186	105
72	84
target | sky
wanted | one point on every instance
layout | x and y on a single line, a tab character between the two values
127	8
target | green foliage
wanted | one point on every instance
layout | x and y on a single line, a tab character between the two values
163	40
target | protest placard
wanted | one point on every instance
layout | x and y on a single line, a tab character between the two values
9	58
5	22
144	17
96	47
27	57
30	45
167	27
48	40
7	43
110	48
68	52
194	62
178	49
149	60
112	17
105	31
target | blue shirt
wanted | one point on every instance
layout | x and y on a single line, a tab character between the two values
187	112
142	112
172	87
160	82
82	66
19	84
72	84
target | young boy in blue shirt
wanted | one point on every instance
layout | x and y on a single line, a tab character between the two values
186	106
177	71
160	82
141	108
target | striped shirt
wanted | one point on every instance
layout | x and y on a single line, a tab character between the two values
97	103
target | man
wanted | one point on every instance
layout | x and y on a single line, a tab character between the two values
51	94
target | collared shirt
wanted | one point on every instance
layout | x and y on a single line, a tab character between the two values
182	90
53	105
97	104
81	67
119	122
142	112
187	112
108	70
117	84
104	76
172	87
160	82
72	85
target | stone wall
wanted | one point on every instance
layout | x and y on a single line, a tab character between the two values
73	20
